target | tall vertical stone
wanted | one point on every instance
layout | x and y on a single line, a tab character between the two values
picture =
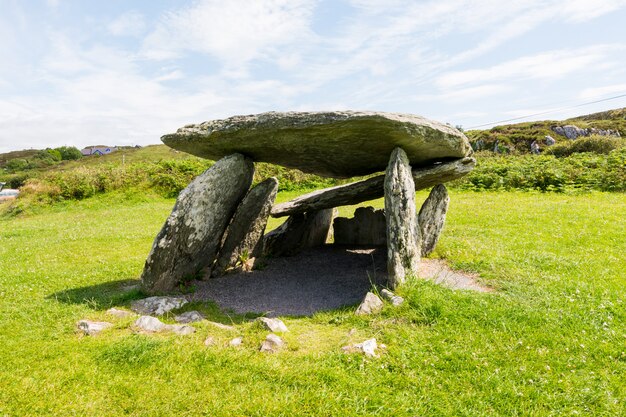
403	233
432	217
244	235
191	235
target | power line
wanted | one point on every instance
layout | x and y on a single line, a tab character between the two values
548	111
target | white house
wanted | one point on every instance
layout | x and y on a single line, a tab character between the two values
98	150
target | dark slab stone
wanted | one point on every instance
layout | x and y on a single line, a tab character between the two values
432	217
300	231
371	189
366	228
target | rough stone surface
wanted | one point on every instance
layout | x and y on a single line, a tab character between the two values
371	304
368	348
272	343
209	341
244	235
190	237
182	329
573	132
237	341
432	217
299	232
189	317
150	324
367	228
316	142
120	314
394	299
157	305
273	325
371	189
154	325
403	233
92	328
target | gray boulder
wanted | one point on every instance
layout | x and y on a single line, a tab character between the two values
188	242
371	189
154	325
273	325
244	235
432	217
316	142
92	328
272	343
371	304
189	317
367	227
299	232
403	233
157	306
394	299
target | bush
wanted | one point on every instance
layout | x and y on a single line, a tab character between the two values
580	171
601	145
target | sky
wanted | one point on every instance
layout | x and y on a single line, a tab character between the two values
126	72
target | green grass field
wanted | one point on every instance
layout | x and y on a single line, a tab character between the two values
551	340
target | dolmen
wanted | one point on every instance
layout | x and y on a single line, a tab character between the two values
218	222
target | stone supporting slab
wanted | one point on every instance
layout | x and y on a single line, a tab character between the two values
191	235
299	232
403	232
432	217
371	189
244	235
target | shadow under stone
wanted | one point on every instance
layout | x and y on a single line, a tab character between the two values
101	296
318	279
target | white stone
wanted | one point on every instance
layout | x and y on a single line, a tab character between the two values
395	300
209	341
181	329
120	314
150	324
272	343
371	304
189	317
368	348
92	328
274	325
157	305
237	341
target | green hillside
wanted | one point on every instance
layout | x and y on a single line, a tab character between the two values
516	138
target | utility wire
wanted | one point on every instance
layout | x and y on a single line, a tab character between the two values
548	111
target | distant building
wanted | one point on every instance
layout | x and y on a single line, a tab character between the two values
98	150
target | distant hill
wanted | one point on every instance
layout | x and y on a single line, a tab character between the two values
26	153
518	137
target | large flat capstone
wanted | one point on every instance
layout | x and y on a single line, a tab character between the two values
337	144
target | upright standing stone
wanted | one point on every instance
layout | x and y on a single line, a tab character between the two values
190	237
432	217
299	231
403	233
244	234
367	228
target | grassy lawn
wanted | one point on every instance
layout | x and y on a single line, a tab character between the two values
551	340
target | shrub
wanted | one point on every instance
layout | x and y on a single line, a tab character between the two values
595	144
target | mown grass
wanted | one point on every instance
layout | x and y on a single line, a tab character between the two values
550	341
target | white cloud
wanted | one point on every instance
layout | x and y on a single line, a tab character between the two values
601	92
128	24
547	65
234	32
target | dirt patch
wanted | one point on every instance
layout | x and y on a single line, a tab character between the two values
318	279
